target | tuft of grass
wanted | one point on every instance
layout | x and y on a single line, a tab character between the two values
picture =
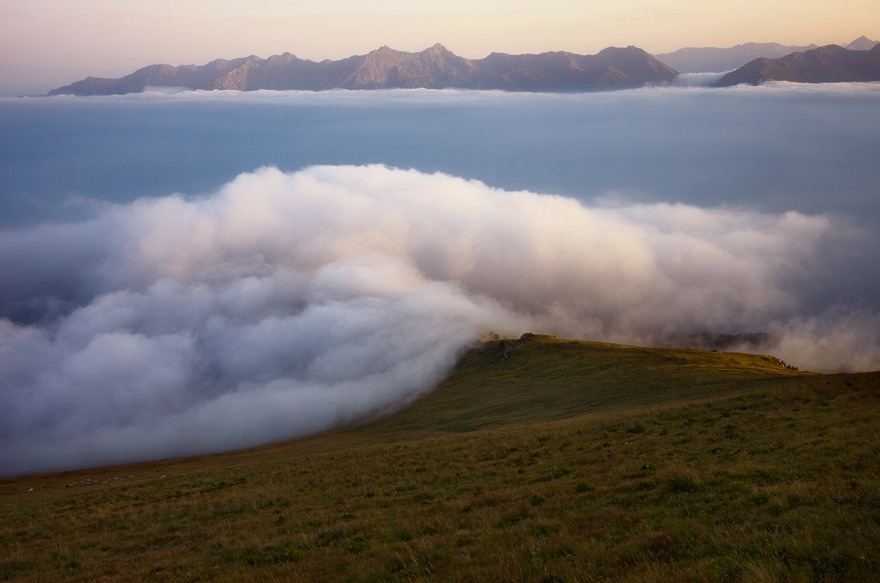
681	478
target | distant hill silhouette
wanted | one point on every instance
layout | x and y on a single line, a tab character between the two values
829	64
862	43
435	68
719	60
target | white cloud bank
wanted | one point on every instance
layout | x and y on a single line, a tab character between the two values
287	303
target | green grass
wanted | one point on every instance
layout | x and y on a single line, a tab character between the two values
543	378
566	461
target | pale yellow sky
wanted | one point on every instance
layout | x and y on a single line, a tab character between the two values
48	43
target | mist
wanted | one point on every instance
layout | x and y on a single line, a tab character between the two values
287	303
779	147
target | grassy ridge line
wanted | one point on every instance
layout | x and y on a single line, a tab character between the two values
774	481
542	378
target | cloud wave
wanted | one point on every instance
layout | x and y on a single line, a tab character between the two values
287	303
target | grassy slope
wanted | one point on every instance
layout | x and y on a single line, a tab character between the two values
563	462
543	378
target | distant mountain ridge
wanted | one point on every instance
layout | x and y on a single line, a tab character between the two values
828	64
434	68
719	60
862	43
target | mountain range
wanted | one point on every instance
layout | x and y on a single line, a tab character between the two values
433	68
559	71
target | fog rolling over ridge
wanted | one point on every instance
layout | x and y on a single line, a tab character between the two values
286	303
298	284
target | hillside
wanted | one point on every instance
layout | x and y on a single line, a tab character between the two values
433	68
538	459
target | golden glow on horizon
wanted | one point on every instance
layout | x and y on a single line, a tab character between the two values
47	43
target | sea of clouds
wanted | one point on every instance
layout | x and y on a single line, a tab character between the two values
344	276
289	302
811	148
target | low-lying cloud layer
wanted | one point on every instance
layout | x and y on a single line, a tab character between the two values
287	303
746	145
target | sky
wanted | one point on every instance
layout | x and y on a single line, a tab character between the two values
45	44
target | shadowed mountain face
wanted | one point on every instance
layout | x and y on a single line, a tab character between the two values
829	64
433	68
